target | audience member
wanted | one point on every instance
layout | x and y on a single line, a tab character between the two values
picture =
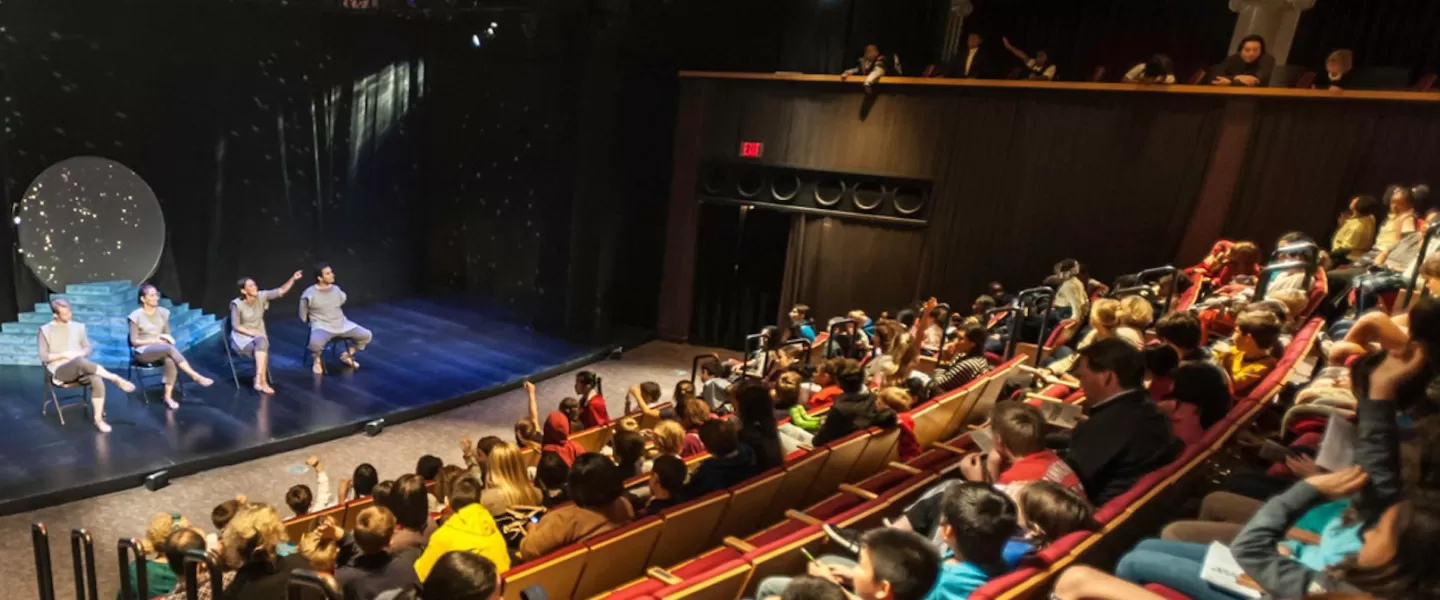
800	324
873	65
506	483
978	522
758	428
1048	511
892	564
810	587
445	481
1337	71
1249	66
1255	352
299	498
1125	436
1356	234
628	452
1071	301
855	409
550	476
1019	454
974	62
362	482
160	577
1159	69
410	503
593	412
1036	68
970	361
557	438
600	506
249	549
375	570
470	529
180	542
1198	394
321	548
825	377
671	438
730	461
714	386
667	484
457	576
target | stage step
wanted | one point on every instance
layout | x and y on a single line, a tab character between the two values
102	307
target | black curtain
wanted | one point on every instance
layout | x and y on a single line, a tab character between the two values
739	264
1307	160
835	265
1115	34
1022	178
1382	33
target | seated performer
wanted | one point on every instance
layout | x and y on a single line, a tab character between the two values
320	306
63	350
247	325
150	341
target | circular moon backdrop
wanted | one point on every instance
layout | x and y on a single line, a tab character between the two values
88	219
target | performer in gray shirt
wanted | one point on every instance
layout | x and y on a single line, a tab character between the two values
320	306
64	350
247	326
150	341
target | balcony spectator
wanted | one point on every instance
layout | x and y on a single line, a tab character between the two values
1337	71
1159	69
873	65
1249	66
974	63
1037	67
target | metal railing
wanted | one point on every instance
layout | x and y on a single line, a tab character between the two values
193	560
132	590
82	546
44	579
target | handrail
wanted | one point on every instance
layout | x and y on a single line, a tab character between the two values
132	590
832	341
193	559
745	353
805	347
1148	275
1430	233
1264	282
1192	90
1012	336
80	543
695	365
44	578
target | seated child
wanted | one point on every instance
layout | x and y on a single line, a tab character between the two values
1255	351
1020	454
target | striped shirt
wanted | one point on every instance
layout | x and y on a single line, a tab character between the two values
961	373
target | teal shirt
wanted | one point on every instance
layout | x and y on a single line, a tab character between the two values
957	580
159	579
1337	540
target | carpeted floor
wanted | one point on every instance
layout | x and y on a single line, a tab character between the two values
393	453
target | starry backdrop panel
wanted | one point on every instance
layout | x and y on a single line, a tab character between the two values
417	152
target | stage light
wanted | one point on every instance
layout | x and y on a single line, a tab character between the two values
494	25
475	40
17	219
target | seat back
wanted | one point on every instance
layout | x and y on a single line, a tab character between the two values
618	556
843	454
725	583
877	453
930	420
1426	82
557	572
687	529
297	527
748	504
1098	75
799	474
783	557
353	508
1305	80
594	438
952	410
984	401
1196	78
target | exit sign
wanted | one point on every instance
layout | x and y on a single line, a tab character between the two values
751	149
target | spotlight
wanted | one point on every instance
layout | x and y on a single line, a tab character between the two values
374	428
157	480
475	40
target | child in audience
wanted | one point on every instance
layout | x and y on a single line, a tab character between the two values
176	546
470	529
600	506
250	548
730	461
892	565
1181	403
898	401
506	483
299	498
550	476
222	513
410	503
557	438
1048	511
1254	353
800	324
375	570
628	453
361	484
1136	314
854	410
825	380
160	578
527	430
1020	454
667	481
320	548
593	412
715	386
809	587
672	439
790	395
978	522
969	348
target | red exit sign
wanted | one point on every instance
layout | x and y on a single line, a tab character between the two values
751	149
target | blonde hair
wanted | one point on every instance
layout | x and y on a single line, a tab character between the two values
1345	58
320	550
525	429
160	527
670	437
629	424
894	398
1136	312
251	536
507	474
1105	315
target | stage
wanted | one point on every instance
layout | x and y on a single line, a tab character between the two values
429	355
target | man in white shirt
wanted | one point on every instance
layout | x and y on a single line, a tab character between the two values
1037	68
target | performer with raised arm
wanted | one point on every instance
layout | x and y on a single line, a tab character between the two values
64	350
150	341
321	306
247	325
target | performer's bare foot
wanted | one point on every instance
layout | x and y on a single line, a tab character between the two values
264	389
102	425
124	384
317	368
170	402
349	361
204	381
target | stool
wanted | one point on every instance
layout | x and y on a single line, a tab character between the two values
52	390
148	369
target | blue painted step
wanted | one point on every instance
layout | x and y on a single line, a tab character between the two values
102	307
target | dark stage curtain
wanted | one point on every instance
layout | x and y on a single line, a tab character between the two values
1307	161
1382	33
835	265
1115	34
1022	178
739	265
